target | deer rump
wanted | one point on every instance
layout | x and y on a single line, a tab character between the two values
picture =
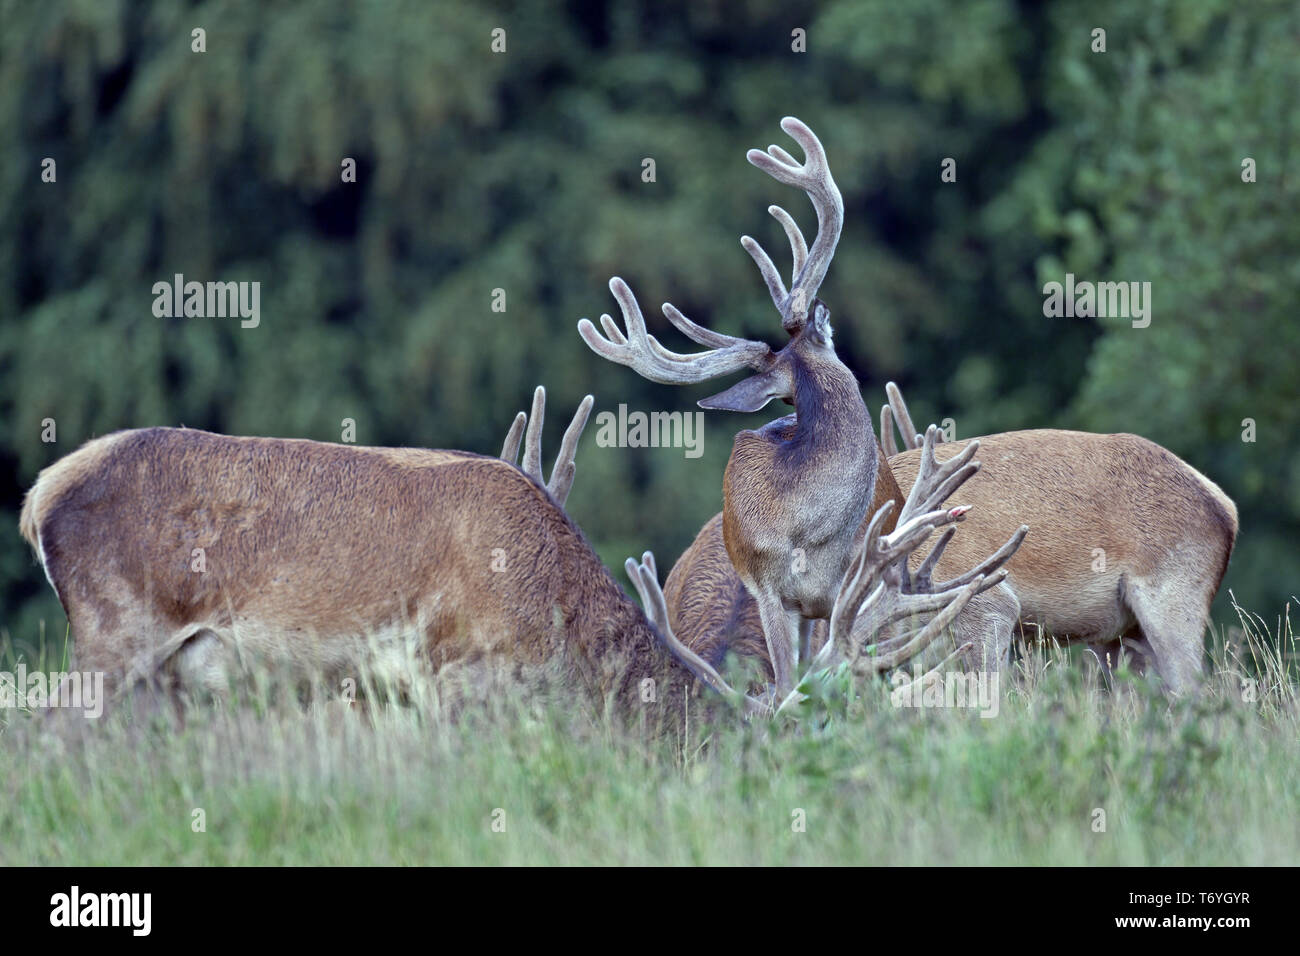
1125	540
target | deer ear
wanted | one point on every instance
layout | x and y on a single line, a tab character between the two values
821	323
754	392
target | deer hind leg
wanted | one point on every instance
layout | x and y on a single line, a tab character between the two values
1172	621
105	637
101	656
1130	650
117	635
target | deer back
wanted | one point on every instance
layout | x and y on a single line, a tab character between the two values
1104	511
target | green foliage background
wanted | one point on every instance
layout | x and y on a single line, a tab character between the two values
522	171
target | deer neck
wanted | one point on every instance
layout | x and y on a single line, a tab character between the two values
612	647
637	670
830	414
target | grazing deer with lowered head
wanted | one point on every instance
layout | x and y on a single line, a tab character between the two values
182	557
796	490
1128	542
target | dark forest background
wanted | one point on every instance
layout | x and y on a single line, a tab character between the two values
522	171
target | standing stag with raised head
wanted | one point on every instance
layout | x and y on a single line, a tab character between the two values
796	490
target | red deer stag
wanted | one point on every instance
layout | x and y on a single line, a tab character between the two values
181	555
796	491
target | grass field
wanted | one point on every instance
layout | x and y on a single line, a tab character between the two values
1214	780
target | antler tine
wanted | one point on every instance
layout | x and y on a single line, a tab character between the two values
782	156
611	328
855	585
645	579
911	437
887	658
813	176
700	335
771	275
921	680
510	450
922	580
935	480
768	270
532	463
642	353
990	564
887	432
798	246
910	533
563	471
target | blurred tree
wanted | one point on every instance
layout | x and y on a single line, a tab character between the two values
521	171
1141	179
